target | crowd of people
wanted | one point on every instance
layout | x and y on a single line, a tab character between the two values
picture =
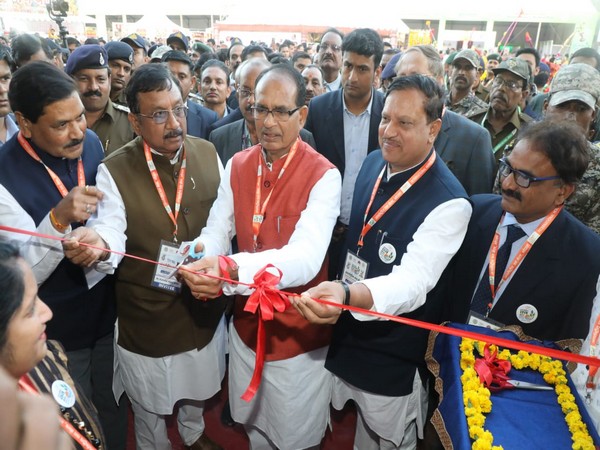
164	180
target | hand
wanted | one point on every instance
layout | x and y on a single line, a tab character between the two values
83	255
202	287
78	205
28	421
316	312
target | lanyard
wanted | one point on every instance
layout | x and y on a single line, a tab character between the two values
259	209
367	225
503	142
523	251
161	190
78	437
57	181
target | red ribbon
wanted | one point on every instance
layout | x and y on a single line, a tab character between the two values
266	299
498	341
493	372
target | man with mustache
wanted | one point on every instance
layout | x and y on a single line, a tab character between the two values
120	61
546	261
170	347
503	118
88	65
49	167
313	80
344	122
462	99
329	58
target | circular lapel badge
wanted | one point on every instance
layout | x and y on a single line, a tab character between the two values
527	313
387	253
63	394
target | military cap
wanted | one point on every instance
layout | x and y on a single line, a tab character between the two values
470	55
450	58
201	48
494	57
119	50
575	82
135	40
514	65
179	36
389	69
91	56
55	48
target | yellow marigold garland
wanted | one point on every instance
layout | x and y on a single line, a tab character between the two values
477	402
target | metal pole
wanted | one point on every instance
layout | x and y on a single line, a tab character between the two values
537	36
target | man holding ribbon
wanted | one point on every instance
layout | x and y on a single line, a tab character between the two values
525	260
158	191
49	168
409	217
281	199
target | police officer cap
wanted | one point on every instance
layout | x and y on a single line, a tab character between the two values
201	48
180	37
91	56
389	69
119	50
575	82
135	40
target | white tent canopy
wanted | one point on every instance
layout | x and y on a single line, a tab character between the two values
152	26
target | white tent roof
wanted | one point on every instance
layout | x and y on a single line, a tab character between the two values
156	25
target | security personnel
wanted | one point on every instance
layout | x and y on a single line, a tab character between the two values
140	49
503	118
120	61
88	65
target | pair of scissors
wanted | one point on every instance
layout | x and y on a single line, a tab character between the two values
516	384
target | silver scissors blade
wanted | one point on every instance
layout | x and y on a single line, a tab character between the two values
525	385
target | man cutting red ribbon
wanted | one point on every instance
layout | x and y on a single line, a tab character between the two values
281	200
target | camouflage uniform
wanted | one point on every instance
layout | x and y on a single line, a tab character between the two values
585	201
468	106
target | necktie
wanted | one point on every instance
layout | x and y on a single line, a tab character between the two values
483	294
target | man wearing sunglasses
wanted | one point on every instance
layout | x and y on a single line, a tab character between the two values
158	191
546	261
503	119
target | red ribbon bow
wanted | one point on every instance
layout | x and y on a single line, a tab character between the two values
493	372
266	299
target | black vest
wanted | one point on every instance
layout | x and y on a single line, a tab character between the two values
381	356
81	315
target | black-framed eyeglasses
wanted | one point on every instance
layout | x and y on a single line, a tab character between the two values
279	114
521	178
510	84
245	92
333	47
160	117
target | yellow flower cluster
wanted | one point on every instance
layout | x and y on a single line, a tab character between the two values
477	402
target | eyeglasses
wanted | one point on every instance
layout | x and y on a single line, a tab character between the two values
279	114
333	47
245	92
162	116
510	84
521	178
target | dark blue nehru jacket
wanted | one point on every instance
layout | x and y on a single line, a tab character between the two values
381	356
81	315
